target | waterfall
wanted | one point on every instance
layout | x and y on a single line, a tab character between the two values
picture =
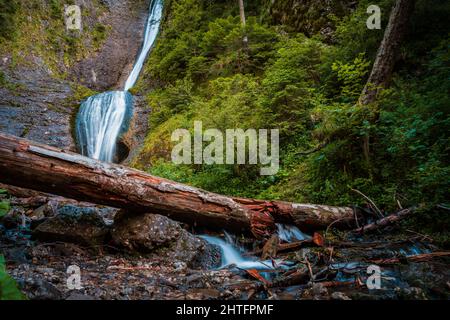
102	118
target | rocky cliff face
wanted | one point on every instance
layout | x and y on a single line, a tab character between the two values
46	71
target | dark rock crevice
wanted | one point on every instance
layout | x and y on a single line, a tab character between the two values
41	105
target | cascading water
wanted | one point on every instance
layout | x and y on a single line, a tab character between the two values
232	256
103	118
151	31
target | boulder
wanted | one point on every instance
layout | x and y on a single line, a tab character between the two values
156	234
80	225
39	289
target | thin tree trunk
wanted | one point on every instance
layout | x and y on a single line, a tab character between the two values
35	166
243	22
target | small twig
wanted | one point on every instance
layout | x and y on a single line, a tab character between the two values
415	258
356	217
315	149
385	221
311	274
329	226
423	236
330	259
441	206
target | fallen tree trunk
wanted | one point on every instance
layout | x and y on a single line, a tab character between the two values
31	165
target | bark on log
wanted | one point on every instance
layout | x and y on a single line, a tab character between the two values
416	258
31	165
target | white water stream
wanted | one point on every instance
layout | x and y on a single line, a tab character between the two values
102	118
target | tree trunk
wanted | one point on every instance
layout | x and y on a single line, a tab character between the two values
388	50
31	165
386	57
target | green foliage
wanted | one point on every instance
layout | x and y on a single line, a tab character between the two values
37	28
4	83
8	287
8	18
196	43
167	102
4	203
307	16
290	83
80	93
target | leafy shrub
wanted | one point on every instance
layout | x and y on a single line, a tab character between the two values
307	89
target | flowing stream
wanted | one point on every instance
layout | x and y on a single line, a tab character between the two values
104	117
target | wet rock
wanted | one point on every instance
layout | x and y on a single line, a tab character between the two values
156	234
339	296
39	289
110	66
133	139
203	294
412	293
80	296
11	220
318	289
38	110
74	224
47	210
36	222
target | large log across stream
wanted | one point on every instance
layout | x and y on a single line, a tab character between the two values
27	164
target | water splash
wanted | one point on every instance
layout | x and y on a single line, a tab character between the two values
100	121
232	254
290	233
103	118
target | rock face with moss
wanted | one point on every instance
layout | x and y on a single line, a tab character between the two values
46	70
74	224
